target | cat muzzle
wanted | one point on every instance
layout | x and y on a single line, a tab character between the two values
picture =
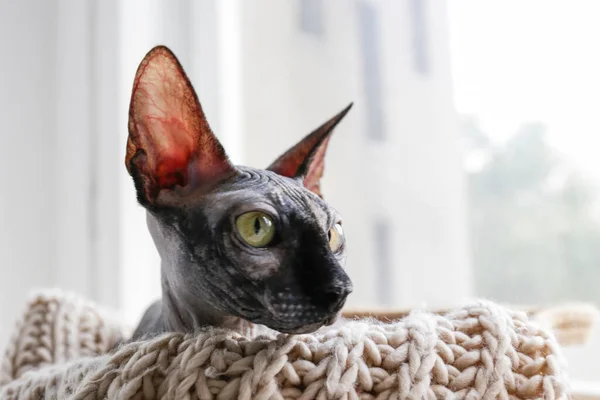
292	312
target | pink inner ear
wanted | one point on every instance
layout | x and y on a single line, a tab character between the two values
312	180
168	124
164	119
173	153
307	158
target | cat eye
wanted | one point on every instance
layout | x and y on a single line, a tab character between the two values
336	238
255	228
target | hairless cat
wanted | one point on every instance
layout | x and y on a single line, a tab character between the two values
237	244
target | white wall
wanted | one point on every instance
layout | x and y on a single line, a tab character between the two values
58	207
27	171
417	171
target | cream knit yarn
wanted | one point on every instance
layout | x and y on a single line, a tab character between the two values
480	351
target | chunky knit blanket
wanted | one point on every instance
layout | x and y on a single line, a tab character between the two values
61	349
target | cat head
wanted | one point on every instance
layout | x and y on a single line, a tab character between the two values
259	244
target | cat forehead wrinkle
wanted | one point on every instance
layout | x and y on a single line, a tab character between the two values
255	189
274	188
260	177
307	202
278	196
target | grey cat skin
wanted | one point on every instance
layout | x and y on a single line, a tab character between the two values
238	245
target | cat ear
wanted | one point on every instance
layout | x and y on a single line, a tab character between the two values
306	159
170	145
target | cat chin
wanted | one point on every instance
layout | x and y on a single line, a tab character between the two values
302	328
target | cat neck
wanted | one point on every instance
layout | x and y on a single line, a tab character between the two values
186	313
190	314
180	311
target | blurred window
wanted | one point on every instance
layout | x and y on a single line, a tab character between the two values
311	17
369	47
420	49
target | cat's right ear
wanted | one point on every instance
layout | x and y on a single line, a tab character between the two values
306	159
171	148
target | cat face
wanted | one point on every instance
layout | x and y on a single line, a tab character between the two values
257	244
260	247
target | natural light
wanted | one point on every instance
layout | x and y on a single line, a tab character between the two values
467	167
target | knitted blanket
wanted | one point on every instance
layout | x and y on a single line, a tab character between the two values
61	350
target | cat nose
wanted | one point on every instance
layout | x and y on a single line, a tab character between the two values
334	296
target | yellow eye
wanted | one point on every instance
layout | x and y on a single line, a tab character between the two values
256	228
336	238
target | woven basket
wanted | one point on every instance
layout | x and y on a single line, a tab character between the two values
60	350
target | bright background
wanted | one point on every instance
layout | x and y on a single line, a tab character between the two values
467	168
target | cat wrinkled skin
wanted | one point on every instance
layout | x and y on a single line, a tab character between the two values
193	196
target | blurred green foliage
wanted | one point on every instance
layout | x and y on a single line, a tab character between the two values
534	228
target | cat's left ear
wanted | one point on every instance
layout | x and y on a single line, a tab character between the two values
171	149
306	159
